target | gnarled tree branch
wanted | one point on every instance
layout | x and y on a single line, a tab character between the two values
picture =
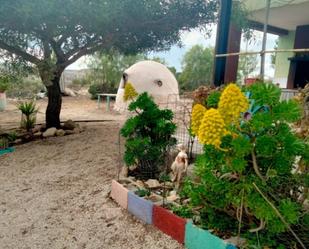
19	52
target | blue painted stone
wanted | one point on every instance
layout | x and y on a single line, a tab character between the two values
197	238
140	208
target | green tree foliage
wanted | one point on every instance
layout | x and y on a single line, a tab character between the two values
247	64
148	135
12	71
54	34
197	67
106	70
25	87
240	18
262	150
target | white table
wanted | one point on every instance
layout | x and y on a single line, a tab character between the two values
108	96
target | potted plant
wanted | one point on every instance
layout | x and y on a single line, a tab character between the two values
4	84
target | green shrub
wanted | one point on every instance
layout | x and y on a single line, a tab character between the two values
4	143
77	84
142	192
96	88
213	99
4	83
25	88
148	135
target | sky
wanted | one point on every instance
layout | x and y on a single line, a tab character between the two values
174	56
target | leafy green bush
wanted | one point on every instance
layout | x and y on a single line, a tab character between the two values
28	110
252	168
4	83
213	99
96	88
77	84
4	143
148	135
142	192
25	88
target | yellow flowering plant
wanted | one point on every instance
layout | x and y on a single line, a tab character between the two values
247	166
232	103
129	92
212	128
198	112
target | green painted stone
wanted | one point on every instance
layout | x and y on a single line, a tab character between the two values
197	238
6	151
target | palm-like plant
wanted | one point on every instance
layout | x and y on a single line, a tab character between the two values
28	110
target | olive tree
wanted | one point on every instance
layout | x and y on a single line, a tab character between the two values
52	34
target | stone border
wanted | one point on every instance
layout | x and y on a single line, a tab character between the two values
179	229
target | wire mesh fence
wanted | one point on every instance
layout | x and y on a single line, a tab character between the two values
182	108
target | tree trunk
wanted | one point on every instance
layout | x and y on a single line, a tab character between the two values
54	104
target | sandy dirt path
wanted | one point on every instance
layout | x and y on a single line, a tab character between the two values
54	194
76	108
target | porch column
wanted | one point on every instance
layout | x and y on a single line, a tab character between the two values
222	41
232	61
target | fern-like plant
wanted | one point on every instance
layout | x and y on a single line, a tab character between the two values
28	110
148	135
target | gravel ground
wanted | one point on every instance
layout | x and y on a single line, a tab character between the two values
54	193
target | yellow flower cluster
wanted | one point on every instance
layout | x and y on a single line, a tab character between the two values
129	92
212	128
232	103
198	112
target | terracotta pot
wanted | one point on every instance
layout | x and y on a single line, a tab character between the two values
250	81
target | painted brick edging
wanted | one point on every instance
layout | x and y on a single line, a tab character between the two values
197	238
6	151
140	208
169	223
120	194
176	227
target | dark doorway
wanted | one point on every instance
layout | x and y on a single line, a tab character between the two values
302	74
299	71
299	67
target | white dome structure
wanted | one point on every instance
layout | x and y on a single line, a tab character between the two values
151	77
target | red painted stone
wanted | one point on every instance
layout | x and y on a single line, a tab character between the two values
169	223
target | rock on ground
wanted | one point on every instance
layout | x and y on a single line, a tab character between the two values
50	132
69	125
60	133
54	194
69	92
